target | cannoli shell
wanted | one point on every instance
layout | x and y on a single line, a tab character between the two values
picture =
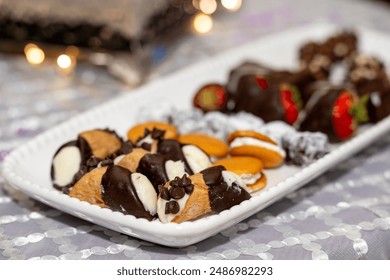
198	203
88	187
101	142
131	160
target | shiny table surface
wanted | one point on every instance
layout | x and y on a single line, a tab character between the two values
343	214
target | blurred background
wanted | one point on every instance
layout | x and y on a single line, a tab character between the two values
59	58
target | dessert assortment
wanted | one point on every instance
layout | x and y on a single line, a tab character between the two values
182	165
157	175
334	89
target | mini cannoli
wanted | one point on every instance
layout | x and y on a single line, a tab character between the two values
211	191
90	147
129	193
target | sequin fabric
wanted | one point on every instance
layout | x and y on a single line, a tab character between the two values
343	214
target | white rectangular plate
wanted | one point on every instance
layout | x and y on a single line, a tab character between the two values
28	167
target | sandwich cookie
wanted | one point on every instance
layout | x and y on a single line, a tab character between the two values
248	168
254	144
211	145
208	192
138	131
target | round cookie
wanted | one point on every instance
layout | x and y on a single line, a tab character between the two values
211	145
254	144
248	168
138	130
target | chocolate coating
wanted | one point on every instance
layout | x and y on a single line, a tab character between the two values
119	193
319	112
378	106
264	103
246	68
172	150
66	188
221	195
153	167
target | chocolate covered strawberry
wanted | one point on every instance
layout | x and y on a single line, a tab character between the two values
291	102
334	111
344	123
270	98
211	97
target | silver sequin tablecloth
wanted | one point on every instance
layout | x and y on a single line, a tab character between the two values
344	214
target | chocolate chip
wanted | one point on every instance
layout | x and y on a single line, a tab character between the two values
146	146
177	192
92	161
158	133
175	182
189	189
172	207
184	181
106	162
164	194
126	148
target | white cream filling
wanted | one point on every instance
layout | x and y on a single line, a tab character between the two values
196	158
118	159
148	139
145	192
241	141
174	169
250	179
167	218
231	177
66	164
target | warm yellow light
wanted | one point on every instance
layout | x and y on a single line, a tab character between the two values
195	3
202	23
64	61
72	51
232	5
208	6
34	54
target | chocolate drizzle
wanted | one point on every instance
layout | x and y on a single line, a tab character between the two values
119	193
221	195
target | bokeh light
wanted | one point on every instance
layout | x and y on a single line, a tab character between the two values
64	61
34	54
232	5
208	6
202	23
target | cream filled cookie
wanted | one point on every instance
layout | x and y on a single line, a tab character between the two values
251	143
248	168
212	146
138	131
